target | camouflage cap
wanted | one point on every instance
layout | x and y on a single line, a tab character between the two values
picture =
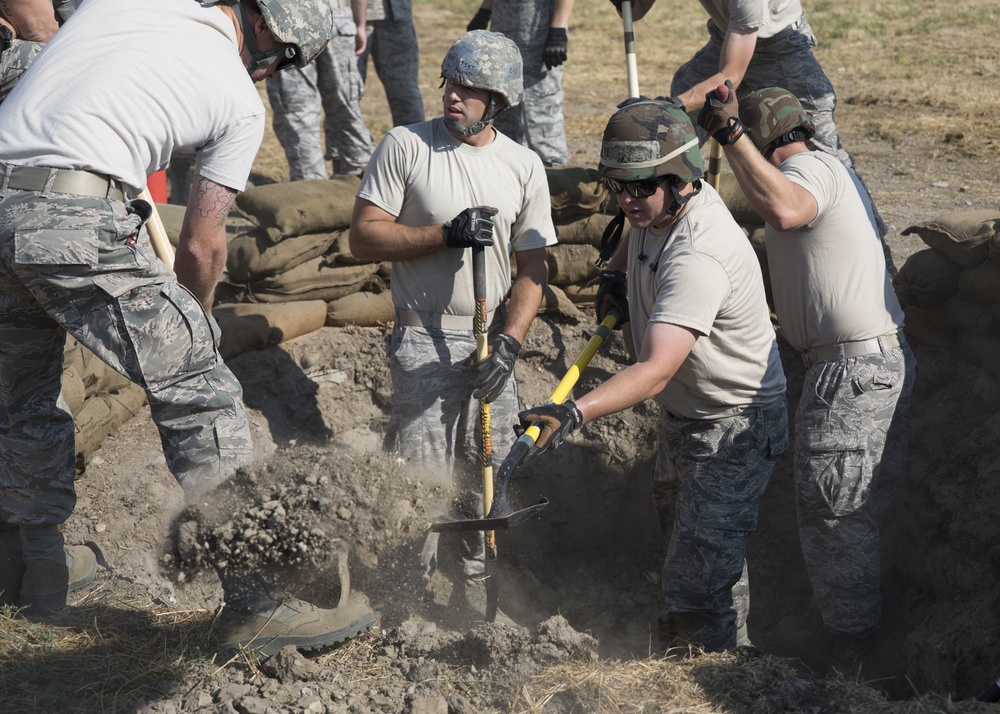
647	139
768	114
307	25
486	60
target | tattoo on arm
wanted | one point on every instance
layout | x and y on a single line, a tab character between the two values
214	200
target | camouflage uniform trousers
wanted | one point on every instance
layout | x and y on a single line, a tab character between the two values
538	121
850	459
708	480
334	82
392	45
787	61
14	61
81	265
434	424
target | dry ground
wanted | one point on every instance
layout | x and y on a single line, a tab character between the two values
916	110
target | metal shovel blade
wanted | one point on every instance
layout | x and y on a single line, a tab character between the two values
490	524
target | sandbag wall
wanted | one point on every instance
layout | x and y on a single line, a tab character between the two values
950	291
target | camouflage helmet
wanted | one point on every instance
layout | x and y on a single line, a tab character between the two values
306	25
769	114
486	60
647	139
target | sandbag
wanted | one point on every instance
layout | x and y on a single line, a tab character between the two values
96	375
555	301
254	326
736	201
576	192
364	309
927	279
963	236
570	264
241	332
958	315
916	327
583	231
73	390
253	254
299	207
100	417
313	280
981	350
980	283
340	250
581	293
172	218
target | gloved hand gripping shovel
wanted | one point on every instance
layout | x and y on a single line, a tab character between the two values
499	514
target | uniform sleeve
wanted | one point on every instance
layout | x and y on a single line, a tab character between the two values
819	177
384	183
690	292
533	226
747	14
227	158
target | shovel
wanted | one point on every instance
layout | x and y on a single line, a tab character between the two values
499	513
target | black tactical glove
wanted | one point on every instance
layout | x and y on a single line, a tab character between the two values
720	116
673	101
480	21
471	227
558	422
617	4
492	373
554	53
611	293
6	38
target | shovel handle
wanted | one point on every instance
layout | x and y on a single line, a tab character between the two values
631	72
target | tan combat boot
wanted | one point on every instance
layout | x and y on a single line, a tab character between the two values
47	582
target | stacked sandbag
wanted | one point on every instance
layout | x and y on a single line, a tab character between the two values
951	291
98	397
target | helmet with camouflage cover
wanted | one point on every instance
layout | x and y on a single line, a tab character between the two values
772	113
303	25
647	139
486	60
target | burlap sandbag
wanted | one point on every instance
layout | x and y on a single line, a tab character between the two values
576	192
96	375
581	293
365	309
927	279
917	327
980	283
583	231
299	207
570	264
963	236
981	350
253	255
73	390
254	325
172	218
555	301
959	315
736	201
102	415
313	280
340	250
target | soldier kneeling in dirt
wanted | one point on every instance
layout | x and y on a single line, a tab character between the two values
82	130
706	351
422	205
836	306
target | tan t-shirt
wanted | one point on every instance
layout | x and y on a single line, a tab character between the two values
700	272
424	176
768	17
828	278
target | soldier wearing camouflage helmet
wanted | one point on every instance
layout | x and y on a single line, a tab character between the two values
432	192
690	283
80	137
837	308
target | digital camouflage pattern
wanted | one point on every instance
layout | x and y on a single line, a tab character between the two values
850	459
647	139
14	60
768	114
325	94
537	122
306	24
84	266
392	45
708	479
486	60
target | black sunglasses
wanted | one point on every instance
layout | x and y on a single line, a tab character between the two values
635	189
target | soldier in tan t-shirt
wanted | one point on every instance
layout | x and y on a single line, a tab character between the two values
706	352
835	306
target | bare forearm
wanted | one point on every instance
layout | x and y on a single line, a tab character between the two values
33	20
387	240
634	384
561	12
199	270
775	199
525	298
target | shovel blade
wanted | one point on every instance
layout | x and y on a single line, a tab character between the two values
491	524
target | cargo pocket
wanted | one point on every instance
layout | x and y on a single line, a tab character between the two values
834	479
56	247
171	335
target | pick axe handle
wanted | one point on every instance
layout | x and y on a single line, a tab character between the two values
631	72
157	233
714	171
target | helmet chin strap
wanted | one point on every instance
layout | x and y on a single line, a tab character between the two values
257	58
488	116
679	200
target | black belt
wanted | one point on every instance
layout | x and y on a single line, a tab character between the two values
43	179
